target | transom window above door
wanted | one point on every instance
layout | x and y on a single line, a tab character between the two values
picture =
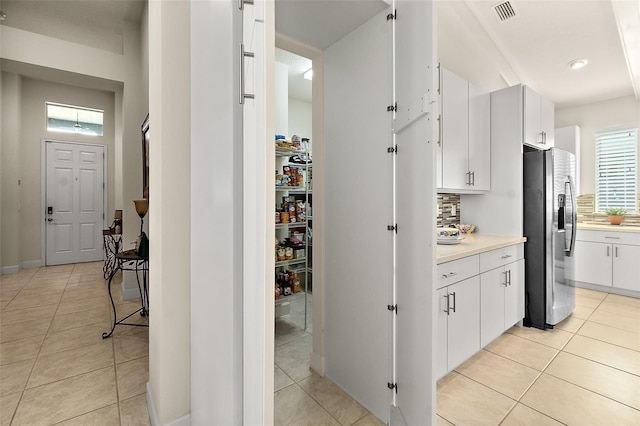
74	119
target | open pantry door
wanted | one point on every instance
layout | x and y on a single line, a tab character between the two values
256	61
415	132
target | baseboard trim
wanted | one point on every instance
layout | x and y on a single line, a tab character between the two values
32	264
317	363
153	416
608	289
129	293
8	270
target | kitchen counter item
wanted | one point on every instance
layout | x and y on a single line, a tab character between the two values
475	244
449	241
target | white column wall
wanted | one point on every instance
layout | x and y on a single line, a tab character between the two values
169	390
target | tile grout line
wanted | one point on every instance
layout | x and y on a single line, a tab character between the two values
35	361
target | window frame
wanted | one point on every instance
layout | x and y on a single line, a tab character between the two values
78	109
626	146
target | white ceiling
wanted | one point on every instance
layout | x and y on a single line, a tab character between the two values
533	48
544	36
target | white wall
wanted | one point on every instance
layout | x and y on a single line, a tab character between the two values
35	94
10	173
59	60
596	117
468	51
169	390
300	118
281	85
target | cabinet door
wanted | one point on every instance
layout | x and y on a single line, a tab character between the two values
593	262
441	333
464	322
531	130
479	138
626	267
455	131
492	304
514	294
547	122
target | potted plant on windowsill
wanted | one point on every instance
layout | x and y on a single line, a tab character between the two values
615	215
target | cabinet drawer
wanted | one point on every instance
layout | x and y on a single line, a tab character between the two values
611	237
496	258
457	270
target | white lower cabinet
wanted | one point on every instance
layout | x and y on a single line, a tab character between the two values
610	259
501	300
458	324
593	263
626	267
478	298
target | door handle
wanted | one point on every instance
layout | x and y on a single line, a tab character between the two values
244	54
439	129
616	251
50	219
509	277
241	3
607	251
505	278
454	301
446	296
473	178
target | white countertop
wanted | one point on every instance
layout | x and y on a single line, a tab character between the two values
607	227
475	244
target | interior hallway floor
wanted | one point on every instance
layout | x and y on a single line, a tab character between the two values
55	367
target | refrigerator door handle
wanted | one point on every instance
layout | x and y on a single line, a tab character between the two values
574	216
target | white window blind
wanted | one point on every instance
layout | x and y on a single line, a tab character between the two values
616	169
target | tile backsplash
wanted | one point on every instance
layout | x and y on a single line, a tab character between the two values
448	210
587	214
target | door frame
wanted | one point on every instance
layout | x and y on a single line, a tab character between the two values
43	189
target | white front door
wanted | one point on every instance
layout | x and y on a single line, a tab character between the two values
74	209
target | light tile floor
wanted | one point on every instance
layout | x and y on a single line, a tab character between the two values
55	368
586	371
301	396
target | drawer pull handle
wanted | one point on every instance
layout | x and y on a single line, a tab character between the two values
506	256
612	238
449	275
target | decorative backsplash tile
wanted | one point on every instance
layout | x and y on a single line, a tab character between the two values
448	210
587	214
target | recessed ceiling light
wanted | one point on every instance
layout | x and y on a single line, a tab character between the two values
308	75
3	16
576	64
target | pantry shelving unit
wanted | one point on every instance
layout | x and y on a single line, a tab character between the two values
300	265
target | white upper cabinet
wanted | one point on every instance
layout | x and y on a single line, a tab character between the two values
538	120
465	146
455	131
479	138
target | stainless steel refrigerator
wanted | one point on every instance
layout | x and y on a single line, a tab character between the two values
550	227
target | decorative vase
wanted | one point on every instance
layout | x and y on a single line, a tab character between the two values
615	220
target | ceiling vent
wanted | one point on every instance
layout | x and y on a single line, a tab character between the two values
504	11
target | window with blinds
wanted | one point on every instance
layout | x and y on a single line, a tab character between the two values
616	169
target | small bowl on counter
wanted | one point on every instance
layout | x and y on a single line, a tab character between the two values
465	229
